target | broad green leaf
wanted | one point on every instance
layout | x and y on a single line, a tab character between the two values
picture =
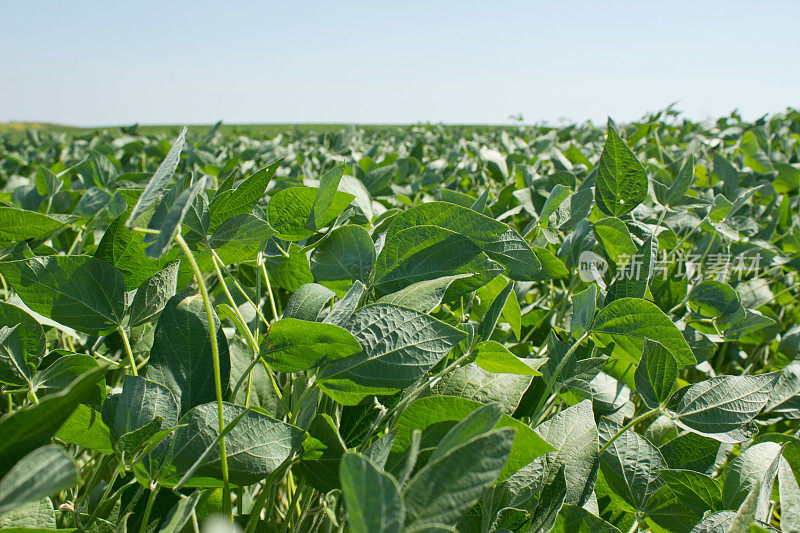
631	464
14	368
255	447
400	345
289	272
574	519
347	253
63	371
474	383
28	332
322	203
373	500
240	238
436	415
42	472
444	490
554	200
33	517
153	294
623	325
169	215
656	374
720	407
125	249
343	309
480	421
573	435
160	180
621	179
85	427
494	357
429	252
691	451
241	200
550	503
501	243
294	345
491	316
674	194
78	291
289	210
307	302
789	497
18	225
714	298
34	425
181	355
616	239
321	461
583	308
753	469
423	296
694	489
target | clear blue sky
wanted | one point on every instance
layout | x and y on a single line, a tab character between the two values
395	61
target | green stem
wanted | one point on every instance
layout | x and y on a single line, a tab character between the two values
128	351
557	372
149	508
627	426
683	240
269	291
212	333
251	341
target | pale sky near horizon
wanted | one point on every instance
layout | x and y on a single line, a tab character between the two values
393	61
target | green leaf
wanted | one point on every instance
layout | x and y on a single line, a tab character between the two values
691	451
33	517
255	447
616	239
181	513
400	345
494	357
423	296
294	345
714	298
631	464
289	210
13	366
322	203
583	308
153	294
240	238
491	316
169	215
429	252
501	243
18	225
550	503
656	374
621	179
181	355
474	383
78	291
307	302
753	469
573	434
444	490
373	500
85	427
63	371
40	473
623	324
28	332
347	253
241	200
720	407
158	183
436	415
33	425
789	497
320	464
574	519
694	489
125	249
289	272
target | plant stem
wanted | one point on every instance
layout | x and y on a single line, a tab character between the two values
212	333
128	351
149	508
627	426
269	291
557	372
